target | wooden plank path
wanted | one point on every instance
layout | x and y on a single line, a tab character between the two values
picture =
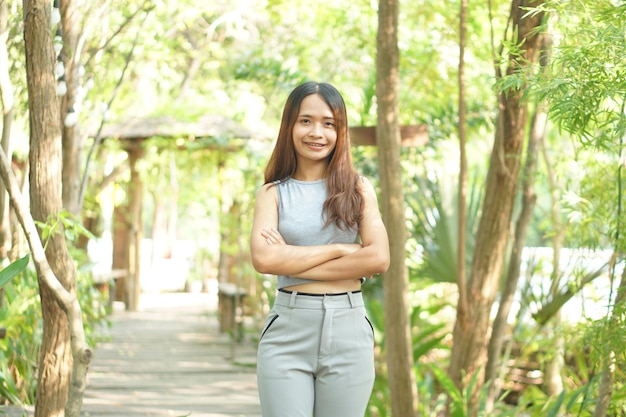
169	359
166	360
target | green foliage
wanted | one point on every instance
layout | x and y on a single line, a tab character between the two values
592	202
427	337
587	82
432	198
219	57
459	400
605	340
8	388
62	221
536	403
8	273
21	316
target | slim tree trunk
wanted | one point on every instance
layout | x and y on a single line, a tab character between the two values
469	351
608	366
45	195
72	138
535	139
461	227
6	95
395	281
552	368
81	353
529	197
56	362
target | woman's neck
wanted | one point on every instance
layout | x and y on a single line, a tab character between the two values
310	173
308	178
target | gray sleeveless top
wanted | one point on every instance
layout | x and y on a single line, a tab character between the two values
301	222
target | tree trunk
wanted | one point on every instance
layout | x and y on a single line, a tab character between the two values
55	361
469	351
608	366
553	380
395	281
461	277
552	368
72	139
529	197
606	386
81	353
6	90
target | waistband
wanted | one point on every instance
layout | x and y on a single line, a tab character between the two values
294	299
318	295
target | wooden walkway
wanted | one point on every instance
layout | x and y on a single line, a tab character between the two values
168	360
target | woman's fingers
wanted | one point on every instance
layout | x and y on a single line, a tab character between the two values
273	237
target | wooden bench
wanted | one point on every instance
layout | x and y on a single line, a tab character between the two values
230	299
519	376
105	282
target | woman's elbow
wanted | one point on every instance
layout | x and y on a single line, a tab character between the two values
260	264
381	263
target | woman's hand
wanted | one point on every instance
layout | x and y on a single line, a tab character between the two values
273	237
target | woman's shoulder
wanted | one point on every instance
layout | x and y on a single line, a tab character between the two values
363	178
364	183
267	190
367	191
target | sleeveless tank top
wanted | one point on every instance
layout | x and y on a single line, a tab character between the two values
301	221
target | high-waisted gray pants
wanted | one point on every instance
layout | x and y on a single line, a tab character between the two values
316	357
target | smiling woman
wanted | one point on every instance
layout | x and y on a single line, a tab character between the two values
318	228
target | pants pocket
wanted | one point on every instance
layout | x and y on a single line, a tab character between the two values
268	323
370	324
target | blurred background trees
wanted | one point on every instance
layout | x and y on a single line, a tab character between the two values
560	346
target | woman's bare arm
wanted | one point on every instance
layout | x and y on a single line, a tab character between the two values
271	255
373	256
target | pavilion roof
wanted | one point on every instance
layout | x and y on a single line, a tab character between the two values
168	126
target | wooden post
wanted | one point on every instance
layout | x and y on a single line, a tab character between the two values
135	190
121	225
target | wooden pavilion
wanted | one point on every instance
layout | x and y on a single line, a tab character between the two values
127	223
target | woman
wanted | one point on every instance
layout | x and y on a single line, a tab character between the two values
318	228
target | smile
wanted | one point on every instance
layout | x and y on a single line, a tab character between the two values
314	145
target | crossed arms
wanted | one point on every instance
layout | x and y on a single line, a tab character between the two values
332	262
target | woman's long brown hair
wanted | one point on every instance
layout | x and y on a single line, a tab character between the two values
344	205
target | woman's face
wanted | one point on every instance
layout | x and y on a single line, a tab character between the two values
314	133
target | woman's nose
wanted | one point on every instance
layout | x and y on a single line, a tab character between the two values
316	129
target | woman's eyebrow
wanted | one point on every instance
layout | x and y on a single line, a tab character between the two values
311	116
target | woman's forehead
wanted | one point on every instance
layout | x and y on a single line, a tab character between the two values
314	105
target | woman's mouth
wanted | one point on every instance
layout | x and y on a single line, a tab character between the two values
314	145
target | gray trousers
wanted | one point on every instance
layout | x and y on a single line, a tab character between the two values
316	357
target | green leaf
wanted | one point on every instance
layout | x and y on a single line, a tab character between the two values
554	410
8	273
8	389
448	385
